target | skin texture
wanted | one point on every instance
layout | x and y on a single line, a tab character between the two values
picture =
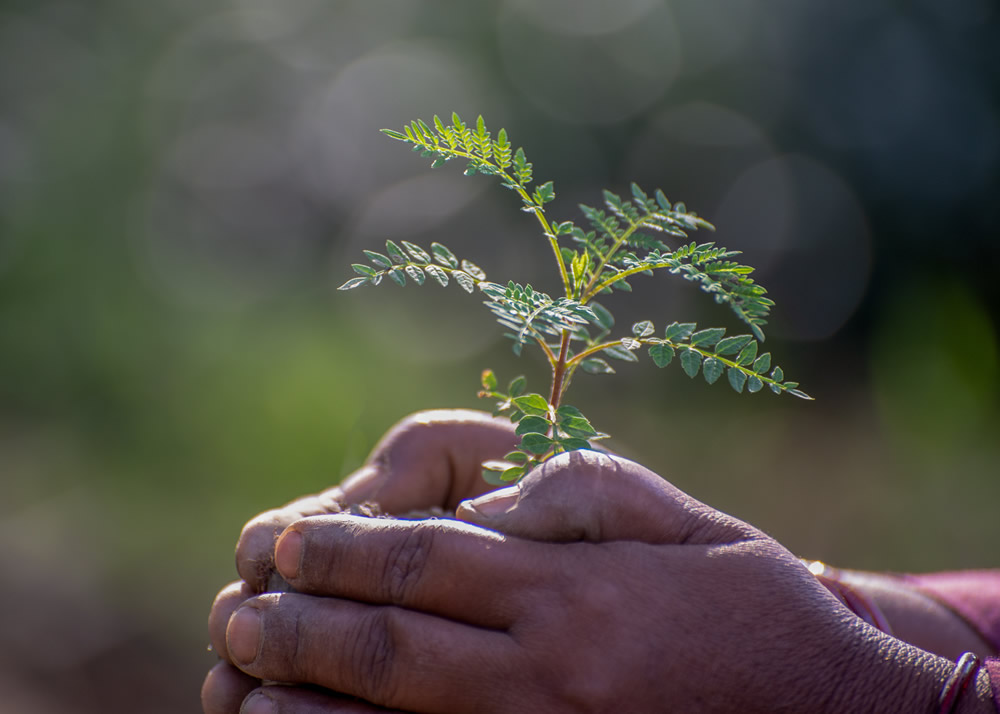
592	586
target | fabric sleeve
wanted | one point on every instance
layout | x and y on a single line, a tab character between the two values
974	595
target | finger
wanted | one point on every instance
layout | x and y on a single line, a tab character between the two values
226	603
590	496
282	699
386	655
224	689
442	567
431	458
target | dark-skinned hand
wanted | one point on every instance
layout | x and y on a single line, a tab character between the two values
592	586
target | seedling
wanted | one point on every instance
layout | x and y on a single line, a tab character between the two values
575	332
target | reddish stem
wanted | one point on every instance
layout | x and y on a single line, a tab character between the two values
559	371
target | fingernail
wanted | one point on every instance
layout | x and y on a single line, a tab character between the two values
258	704
287	554
243	635
496	503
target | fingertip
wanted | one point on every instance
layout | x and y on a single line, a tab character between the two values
226	603
254	551
224	688
258	703
243	635
288	553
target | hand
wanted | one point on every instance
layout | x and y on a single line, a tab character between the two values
429	459
609	591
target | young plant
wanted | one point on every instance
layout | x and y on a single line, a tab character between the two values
575	332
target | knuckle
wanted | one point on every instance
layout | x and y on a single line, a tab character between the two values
405	563
374	653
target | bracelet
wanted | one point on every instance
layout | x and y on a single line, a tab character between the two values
964	672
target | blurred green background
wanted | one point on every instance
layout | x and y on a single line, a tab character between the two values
183	185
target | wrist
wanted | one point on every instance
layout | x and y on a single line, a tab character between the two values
883	674
978	698
917	618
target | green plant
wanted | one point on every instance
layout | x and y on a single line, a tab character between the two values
574	331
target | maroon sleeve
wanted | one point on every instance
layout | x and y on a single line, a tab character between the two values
975	596
972	594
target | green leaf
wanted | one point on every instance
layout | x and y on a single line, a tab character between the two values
366	270
630	344
679	331
754	384
397	276
534	404
493	477
467	282
707	338
444	256
535	443
537	424
516	457
712	369
595	365
517	386
474	270
416	273
662	354
380	261
489	380
579	427
643	329
777	374
419	254
395	252
604	318
748	354
732	345
619	352
394	134
691	362
438	274
567	411
737	378
763	363
513	473
800	394
353	283
544	193
574	444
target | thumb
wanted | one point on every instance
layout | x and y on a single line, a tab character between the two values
597	497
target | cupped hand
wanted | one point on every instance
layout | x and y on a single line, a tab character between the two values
430	459
593	586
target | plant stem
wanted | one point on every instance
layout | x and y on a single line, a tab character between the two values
559	371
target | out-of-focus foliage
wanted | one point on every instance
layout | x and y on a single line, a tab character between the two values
181	181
